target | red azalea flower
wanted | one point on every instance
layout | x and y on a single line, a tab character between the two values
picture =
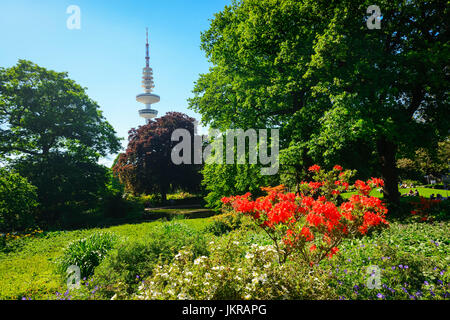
226	200
333	251
315	185
307	234
280	210
314	168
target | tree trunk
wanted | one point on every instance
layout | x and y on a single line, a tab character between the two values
164	194
387	151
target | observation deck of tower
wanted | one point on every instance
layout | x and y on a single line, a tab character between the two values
147	98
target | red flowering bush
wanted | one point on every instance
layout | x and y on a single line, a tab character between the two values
314	222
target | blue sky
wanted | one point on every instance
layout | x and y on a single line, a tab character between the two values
107	54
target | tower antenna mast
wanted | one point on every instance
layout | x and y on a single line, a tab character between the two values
147	98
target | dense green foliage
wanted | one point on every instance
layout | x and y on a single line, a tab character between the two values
67	184
132	261
339	92
413	260
228	179
46	111
87	253
235	270
18	200
53	134
425	162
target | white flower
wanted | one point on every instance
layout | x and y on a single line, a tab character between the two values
199	260
249	255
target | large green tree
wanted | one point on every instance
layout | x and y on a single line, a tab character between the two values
53	134
338	90
42	111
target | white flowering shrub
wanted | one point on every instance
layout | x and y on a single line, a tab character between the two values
234	271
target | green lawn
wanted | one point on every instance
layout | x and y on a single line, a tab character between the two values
424	192
30	268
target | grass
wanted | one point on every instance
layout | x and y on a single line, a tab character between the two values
154	214
423	192
30	269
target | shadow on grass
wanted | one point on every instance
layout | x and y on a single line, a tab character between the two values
177	213
97	220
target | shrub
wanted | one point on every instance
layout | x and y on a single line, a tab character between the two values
130	262
412	261
18	199
180	196
223	224
234	271
316	221
151	200
87	253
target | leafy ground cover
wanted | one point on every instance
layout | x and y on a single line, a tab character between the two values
29	268
412	258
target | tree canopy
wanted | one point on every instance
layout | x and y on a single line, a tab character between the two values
338	91
147	167
53	134
43	111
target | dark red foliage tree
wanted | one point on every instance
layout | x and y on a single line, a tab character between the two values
146	166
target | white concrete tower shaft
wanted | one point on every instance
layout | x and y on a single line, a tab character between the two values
147	98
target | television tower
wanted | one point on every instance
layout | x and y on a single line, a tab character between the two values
147	98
